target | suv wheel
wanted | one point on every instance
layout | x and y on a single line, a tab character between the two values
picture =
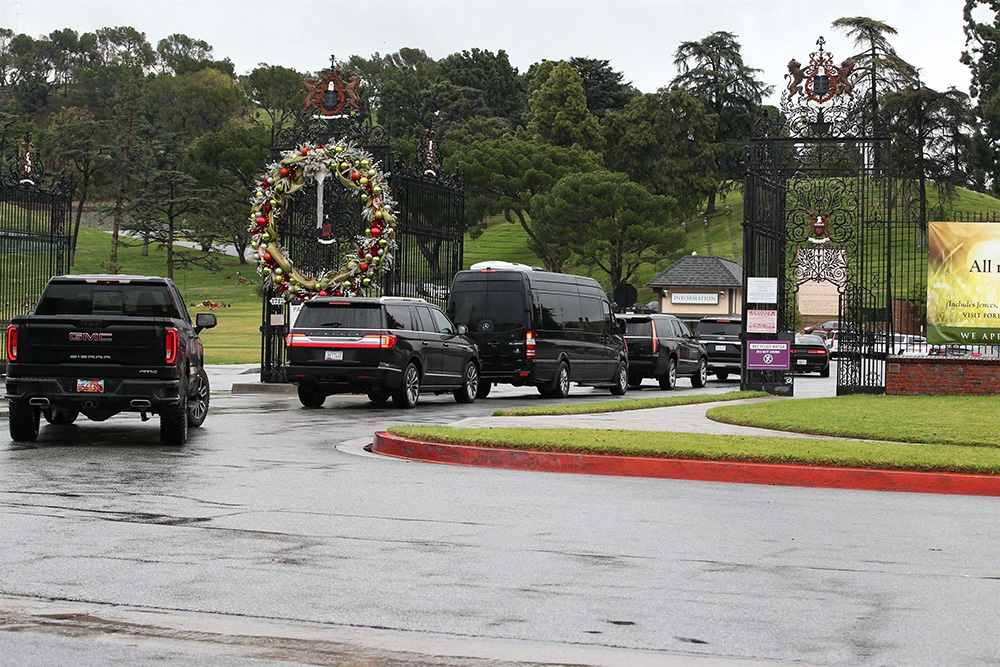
174	426
621	380
722	376
60	416
700	379
198	399
484	388
409	393
23	421
310	396
669	379
559	387
634	381
470	384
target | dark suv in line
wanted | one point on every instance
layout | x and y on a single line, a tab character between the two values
387	347
662	347
721	336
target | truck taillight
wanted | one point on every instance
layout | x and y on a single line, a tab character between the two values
529	345
171	347
12	343
656	343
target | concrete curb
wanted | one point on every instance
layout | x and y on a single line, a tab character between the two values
861	479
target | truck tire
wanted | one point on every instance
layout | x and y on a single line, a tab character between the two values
484	388
310	396
23	421
174	425
60	416
198	399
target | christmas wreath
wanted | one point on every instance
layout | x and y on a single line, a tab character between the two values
372	253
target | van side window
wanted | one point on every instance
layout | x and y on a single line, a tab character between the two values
399	317
559	310
594	317
609	317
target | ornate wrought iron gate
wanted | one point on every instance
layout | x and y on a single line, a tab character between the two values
429	216
35	238
820	205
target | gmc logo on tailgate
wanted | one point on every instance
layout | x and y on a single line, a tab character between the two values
81	337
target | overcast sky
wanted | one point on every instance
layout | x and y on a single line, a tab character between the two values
638	38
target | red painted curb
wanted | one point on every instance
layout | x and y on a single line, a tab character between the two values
863	479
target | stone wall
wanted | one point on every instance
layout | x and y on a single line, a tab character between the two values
913	376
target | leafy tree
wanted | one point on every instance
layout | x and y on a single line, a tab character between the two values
195	102
276	91
490	73
559	114
665	142
228	163
179	54
982	56
502	176
713	71
610	222
473	130
602	86
76	142
879	70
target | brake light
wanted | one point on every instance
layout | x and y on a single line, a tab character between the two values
171	347
12	343
815	351
385	341
289	339
529	345
656	343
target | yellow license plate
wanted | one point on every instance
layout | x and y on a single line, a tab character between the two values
90	386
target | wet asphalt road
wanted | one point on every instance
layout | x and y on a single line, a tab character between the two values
261	519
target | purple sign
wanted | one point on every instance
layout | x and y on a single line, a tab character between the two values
768	355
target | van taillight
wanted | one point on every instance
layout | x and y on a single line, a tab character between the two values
171	347
529	345
656	343
12	343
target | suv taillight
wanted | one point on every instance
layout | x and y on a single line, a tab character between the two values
656	343
170	356
12	343
529	345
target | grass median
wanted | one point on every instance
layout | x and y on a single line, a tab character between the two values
802	451
628	404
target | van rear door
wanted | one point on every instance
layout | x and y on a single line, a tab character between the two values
494	307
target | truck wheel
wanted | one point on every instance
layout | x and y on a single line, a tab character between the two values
174	426
559	387
700	379
409	393
198	400
310	396
60	416
470	384
669	379
23	421
621	380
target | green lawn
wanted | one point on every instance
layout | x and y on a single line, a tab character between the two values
628	404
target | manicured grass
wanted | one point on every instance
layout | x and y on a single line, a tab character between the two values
803	451
629	404
946	420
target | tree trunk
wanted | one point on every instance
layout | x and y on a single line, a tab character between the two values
432	255
710	208
120	198
79	214
548	259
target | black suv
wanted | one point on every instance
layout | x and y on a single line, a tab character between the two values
387	347
721	336
662	347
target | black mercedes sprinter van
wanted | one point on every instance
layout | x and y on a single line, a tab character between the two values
539	328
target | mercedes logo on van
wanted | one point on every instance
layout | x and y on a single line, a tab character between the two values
83	337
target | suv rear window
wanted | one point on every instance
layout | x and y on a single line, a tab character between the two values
135	300
638	328
340	316
710	328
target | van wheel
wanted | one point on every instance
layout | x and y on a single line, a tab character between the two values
470	384
669	379
700	379
722	377
23	421
621	380
198	400
310	396
559	388
409	393
174	426
484	388
60	416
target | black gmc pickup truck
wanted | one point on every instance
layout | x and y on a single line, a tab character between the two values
104	344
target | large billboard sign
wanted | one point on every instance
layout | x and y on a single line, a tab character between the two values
963	283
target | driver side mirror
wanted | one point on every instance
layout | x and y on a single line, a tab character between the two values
204	321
